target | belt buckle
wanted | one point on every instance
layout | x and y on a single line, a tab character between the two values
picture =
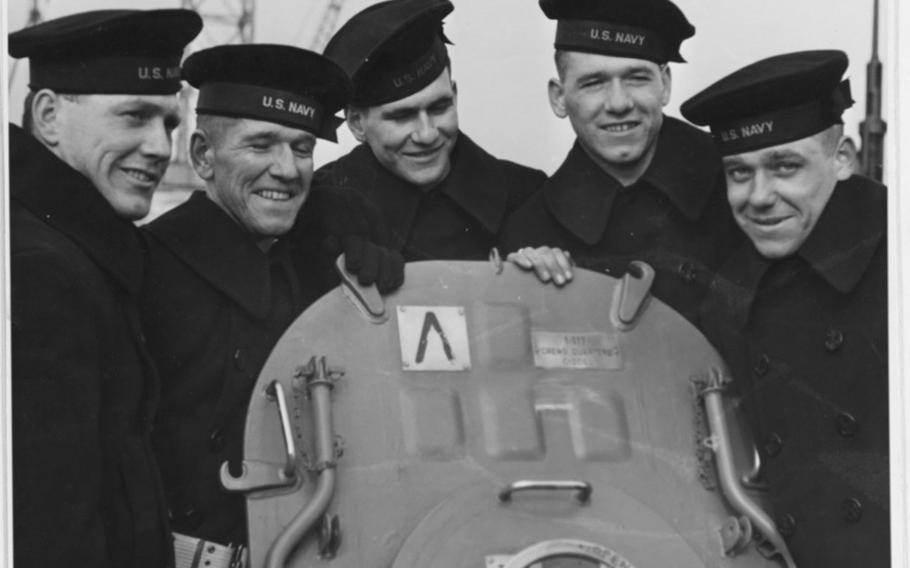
192	552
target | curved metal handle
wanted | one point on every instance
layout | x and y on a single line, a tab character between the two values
753	478
319	381
583	488
276	391
631	294
365	298
713	394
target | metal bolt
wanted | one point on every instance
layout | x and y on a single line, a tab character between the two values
852	509
786	525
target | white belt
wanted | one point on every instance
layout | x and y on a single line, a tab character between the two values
192	552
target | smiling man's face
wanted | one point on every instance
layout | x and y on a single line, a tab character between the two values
615	105
413	137
122	143
259	172
777	194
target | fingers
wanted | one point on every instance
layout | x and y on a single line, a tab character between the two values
353	248
373	264
391	270
564	263
549	264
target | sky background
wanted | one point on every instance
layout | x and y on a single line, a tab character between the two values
502	57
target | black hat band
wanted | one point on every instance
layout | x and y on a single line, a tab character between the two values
610	39
133	75
381	87
784	125
261	103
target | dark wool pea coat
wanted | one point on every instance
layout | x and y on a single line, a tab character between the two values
675	217
214	304
806	339
461	219
86	490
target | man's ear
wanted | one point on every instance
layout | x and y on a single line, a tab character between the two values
845	159
667	79
557	97
202	154
356	118
46	117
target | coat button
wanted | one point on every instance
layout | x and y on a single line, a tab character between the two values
687	272
852	509
239	359
846	425
762	364
216	440
786	525
834	338
773	445
189	521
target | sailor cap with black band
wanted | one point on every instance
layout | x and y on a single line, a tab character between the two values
773	101
638	29
108	51
392	49
275	83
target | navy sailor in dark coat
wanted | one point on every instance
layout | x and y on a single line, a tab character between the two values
800	310
232	267
96	142
441	195
637	185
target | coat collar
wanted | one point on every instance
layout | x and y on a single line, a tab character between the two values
686	168
848	233
67	201
400	200
214	246
839	249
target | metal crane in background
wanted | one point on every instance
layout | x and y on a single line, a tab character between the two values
225	22
326	25
872	129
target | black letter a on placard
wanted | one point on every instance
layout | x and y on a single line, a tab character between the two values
431	321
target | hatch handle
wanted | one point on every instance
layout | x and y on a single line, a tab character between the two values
582	489
366	298
276	392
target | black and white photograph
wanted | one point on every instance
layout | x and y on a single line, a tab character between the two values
454	284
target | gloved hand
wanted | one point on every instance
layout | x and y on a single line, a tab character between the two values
371	263
347	223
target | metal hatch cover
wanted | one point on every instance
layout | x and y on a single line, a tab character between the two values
620	417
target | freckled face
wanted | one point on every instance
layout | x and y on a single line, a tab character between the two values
777	194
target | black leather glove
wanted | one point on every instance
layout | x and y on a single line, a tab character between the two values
353	226
373	264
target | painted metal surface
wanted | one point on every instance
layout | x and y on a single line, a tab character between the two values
544	394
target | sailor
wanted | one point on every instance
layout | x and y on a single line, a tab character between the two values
232	267
636	185
95	143
800	309
441	195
